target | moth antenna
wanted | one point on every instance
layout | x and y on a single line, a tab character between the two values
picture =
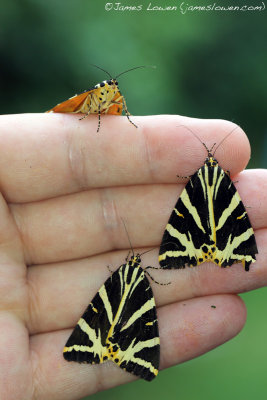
204	144
144	252
210	151
193	133
128	236
147	251
225	138
131	69
102	70
153	279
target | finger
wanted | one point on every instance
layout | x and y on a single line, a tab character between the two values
15	367
88	223
59	154
187	330
59	293
13	290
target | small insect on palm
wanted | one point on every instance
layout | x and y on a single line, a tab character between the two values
104	98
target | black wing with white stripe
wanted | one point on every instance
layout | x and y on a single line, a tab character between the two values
120	324
209	223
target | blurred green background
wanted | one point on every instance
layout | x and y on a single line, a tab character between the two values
209	65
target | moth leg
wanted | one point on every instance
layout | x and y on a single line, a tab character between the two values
110	270
85	116
184	177
151	277
89	111
188	176
118	101
127	112
149	267
115	102
99	114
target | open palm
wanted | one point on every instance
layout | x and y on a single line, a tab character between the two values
64	190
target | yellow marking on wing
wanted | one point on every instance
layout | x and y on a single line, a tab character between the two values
146	364
210	194
164	255
103	294
128	354
77	347
138	314
228	252
135	282
229	210
192	209
190	250
178	213
218	183
128	289
221	255
133	348
93	335
122	279
201	178
241	216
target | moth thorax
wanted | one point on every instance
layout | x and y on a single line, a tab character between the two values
135	260
211	161
111	84
107	84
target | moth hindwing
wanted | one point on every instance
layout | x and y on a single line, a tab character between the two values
120	324
104	98
209	223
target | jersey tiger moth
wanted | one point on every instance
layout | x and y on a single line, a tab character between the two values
120	324
209	222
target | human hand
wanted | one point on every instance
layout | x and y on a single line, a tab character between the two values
64	190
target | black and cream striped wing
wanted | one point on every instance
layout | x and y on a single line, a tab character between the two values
120	324
209	223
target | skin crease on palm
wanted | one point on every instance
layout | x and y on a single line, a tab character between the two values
64	191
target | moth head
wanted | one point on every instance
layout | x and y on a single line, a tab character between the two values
136	259
110	85
211	161
112	82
